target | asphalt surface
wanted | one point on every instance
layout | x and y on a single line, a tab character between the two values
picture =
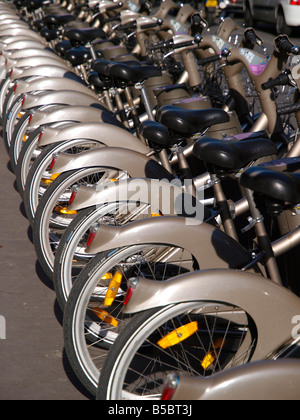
33	365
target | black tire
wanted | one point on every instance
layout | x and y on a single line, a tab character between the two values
59	256
249	19
23	122
33	136
281	27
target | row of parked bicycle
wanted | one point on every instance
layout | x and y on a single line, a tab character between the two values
163	207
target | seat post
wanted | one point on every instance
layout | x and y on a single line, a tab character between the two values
263	238
222	203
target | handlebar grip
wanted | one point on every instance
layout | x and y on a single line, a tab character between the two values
284	45
209	60
114	7
251	37
289	109
282	80
184	44
150	25
162	45
131	25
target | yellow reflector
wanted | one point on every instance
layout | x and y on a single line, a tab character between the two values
113	288
113	180
212	355
107	276
64	210
156	215
54	176
21	114
25	138
104	316
212	3
49	181
178	335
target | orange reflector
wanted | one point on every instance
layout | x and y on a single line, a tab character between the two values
113	180
156	214
104	316
113	288
212	355
25	138
107	276
64	210
178	335
49	181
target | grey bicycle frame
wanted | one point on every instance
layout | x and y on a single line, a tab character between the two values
273	307
267	380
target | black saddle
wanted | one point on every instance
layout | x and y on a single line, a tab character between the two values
78	56
56	21
132	73
284	187
84	36
157	135
62	47
189	122
50	34
232	155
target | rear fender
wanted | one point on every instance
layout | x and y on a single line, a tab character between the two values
55	83
265	380
51	69
137	165
63	97
25	43
109	135
210	247
68	113
272	307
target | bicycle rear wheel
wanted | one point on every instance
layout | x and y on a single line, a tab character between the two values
194	338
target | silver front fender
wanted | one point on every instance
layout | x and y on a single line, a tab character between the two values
272	307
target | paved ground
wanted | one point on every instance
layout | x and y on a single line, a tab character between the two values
32	360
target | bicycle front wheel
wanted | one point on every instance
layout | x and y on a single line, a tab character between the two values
194	338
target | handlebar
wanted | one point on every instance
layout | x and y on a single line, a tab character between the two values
209	60
285	46
252	38
114	7
152	25
128	26
170	44
283	79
